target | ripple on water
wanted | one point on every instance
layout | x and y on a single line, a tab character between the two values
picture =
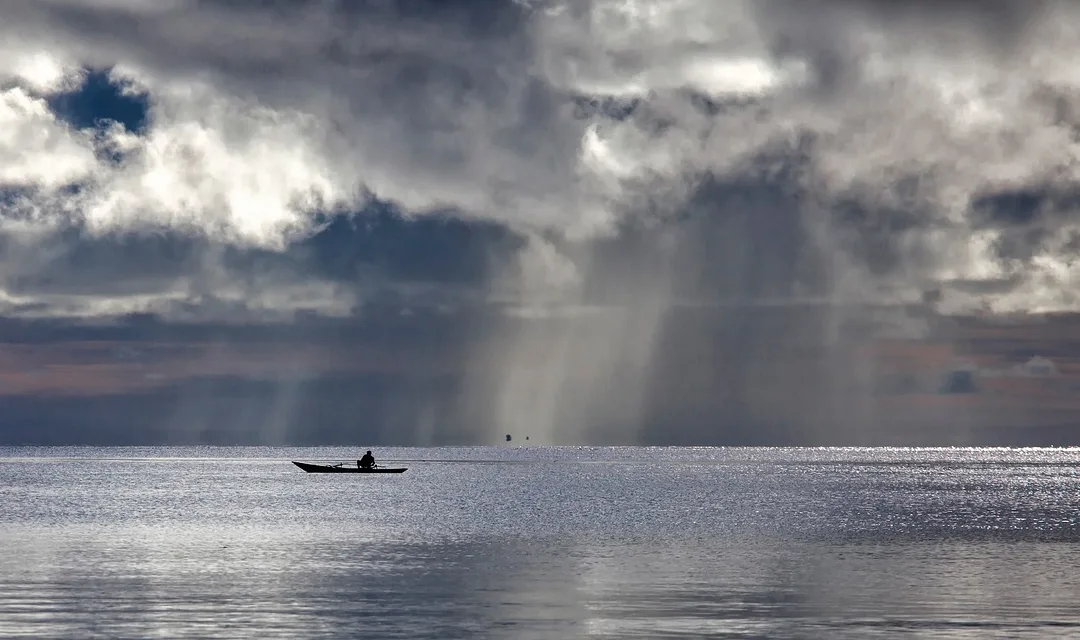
606	542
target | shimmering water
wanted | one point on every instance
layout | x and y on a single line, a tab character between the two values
541	543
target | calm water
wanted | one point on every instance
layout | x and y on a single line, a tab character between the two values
541	543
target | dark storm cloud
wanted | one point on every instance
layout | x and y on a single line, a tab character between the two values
1034	205
997	17
986	287
381	257
828	31
72	262
442	249
735	241
1030	223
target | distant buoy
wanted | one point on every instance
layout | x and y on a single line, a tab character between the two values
508	438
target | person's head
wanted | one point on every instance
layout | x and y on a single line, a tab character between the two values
369	453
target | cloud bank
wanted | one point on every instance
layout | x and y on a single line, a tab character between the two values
609	160
930	143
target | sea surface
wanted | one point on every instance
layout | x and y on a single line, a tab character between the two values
540	543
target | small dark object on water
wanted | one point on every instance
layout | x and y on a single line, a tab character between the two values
321	468
508	438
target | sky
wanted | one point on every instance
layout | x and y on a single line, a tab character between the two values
587	222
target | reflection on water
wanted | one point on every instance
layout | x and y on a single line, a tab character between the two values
567	543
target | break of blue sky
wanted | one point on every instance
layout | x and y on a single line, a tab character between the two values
100	99
550	208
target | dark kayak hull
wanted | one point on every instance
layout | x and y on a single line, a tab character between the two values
321	468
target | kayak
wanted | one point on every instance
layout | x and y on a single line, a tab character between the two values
322	468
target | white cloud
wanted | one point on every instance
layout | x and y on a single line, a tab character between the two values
40	71
35	149
209	162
